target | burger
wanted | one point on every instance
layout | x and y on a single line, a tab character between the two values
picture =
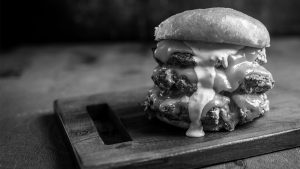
210	74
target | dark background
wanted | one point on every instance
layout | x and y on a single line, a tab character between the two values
53	49
31	22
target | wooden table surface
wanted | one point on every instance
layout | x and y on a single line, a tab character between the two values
32	77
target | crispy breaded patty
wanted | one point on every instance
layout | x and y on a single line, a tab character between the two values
169	81
256	84
181	60
219	118
241	109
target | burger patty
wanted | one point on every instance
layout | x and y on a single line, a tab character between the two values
219	118
226	117
181	60
169	81
176	111
256	84
171	108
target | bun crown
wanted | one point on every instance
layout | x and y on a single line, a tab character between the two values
217	25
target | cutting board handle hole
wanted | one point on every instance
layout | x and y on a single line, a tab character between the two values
108	124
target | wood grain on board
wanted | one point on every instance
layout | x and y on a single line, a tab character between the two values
111	130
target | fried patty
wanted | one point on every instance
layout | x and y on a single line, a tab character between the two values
181	60
227	117
169	81
256	84
220	118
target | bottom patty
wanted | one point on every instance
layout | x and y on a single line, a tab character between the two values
241	109
219	118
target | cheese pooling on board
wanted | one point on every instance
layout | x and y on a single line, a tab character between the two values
211	68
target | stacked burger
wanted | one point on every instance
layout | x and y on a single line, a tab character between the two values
210	73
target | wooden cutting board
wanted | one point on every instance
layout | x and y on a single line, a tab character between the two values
111	130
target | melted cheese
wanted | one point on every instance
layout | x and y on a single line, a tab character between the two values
218	101
221	82
205	56
208	53
257	104
237	61
199	99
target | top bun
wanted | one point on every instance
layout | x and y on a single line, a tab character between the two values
218	25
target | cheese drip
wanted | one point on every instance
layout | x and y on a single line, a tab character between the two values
199	99
205	57
237	61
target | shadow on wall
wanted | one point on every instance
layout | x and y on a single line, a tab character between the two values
35	21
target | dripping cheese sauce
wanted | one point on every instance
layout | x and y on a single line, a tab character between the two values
237	61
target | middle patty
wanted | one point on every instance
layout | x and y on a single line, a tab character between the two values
184	81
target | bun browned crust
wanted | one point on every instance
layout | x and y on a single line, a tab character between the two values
217	25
